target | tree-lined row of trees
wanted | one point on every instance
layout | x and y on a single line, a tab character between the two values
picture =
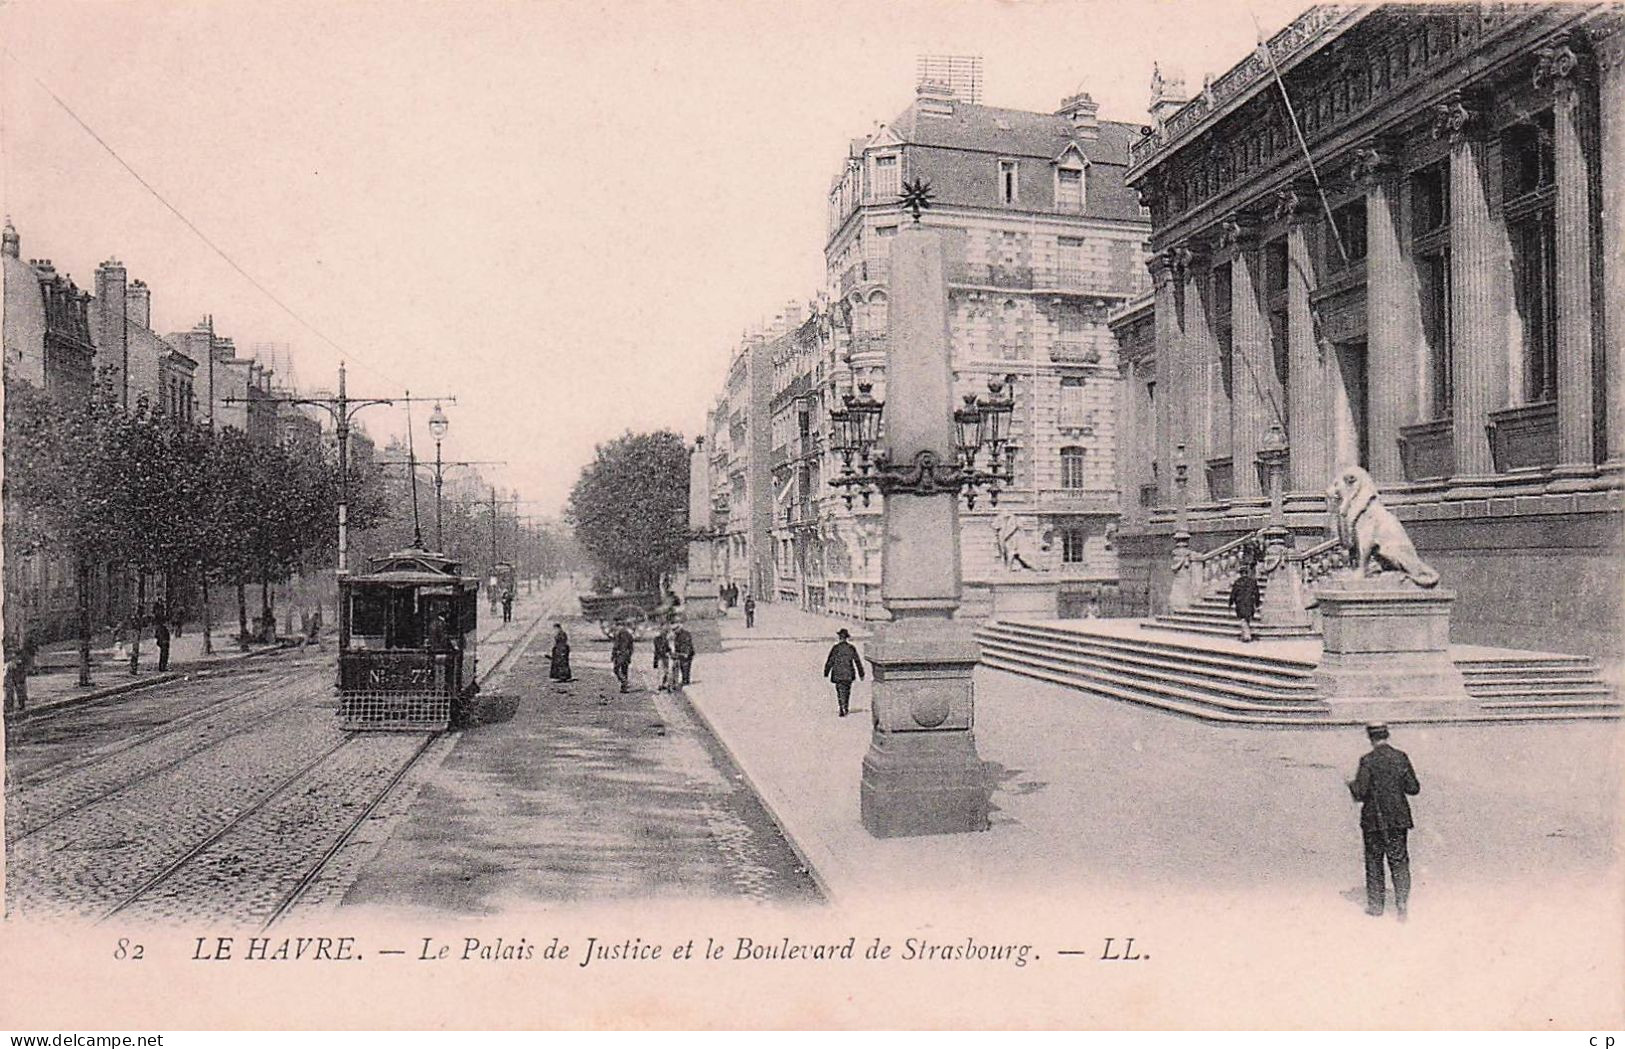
101	485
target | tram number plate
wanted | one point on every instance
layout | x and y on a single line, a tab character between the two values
395	676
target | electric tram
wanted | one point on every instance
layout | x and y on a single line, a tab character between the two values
406	643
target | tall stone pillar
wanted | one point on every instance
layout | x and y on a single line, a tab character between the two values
922	774
1308	435
1257	389
1572	214
1165	274
700	588
1200	348
1478	292
1610	53
1394	317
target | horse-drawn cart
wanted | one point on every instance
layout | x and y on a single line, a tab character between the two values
641	611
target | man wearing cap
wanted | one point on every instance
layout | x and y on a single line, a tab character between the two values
1384	779
842	666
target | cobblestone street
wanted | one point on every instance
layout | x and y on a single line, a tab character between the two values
220	796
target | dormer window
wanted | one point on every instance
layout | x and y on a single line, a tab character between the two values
1069	189
1009	188
887	181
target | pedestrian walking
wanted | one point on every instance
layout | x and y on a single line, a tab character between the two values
620	654
18	667
1384	779
160	636
507	606
842	666
559	657
1244	599
662	662
750	609
682	647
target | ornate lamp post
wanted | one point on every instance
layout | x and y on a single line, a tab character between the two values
438	425
922	774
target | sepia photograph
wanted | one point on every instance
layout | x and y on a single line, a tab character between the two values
843	515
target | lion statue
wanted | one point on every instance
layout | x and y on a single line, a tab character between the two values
1370	532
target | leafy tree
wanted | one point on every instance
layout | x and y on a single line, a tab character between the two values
630	508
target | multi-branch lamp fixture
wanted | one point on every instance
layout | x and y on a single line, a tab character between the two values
982	436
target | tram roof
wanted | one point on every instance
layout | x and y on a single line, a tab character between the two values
413	567
408	578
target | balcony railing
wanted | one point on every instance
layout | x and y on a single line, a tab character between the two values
1058	279
1078	500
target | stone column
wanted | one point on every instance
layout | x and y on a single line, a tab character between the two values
1255	386
1478	295
1572	214
1200	347
1310	439
700	585
1610	52
1169	357
921	774
1393	317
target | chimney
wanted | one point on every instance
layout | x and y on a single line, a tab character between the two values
138	303
112	334
934	98
1084	112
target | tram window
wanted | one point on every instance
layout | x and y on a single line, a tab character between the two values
405	629
368	613
468	609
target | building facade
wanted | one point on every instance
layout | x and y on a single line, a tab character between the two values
1043	241
741	478
1414	266
139	363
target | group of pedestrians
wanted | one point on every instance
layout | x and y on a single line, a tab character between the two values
673	656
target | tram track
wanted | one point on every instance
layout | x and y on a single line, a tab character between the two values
58	772
307	813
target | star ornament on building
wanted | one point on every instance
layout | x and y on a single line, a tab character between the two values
916	197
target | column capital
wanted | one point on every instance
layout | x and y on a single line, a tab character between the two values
1293	202
1607	42
1235	231
1558	69
1370	164
1454	120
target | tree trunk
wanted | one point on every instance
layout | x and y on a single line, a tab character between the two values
242	611
203	581
138	617
267	620
81	569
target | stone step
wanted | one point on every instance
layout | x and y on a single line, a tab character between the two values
1223	626
1194	653
1155	674
1160	699
1258	674
1537	688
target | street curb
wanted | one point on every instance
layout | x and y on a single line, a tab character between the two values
768	804
133	686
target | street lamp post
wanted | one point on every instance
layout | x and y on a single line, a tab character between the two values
438	425
922	774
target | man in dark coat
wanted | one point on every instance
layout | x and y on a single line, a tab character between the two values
662	663
1244	599
507	606
1384	779
842	666
560	656
682	646
620	654
750	610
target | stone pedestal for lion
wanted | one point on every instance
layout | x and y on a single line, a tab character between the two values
1386	651
1026	597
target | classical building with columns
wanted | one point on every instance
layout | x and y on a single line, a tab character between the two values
1395	233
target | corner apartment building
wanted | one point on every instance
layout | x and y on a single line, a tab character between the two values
1043	241
1435	292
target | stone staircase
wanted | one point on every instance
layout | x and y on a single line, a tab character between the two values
1269	682
1210	615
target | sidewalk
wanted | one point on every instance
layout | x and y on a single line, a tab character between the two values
1124	803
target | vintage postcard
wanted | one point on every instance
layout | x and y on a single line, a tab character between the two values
699	514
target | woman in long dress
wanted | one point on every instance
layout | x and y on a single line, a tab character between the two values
560	655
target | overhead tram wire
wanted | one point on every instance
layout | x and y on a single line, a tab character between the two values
189	224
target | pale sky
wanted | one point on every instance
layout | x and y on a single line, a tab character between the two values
562	213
